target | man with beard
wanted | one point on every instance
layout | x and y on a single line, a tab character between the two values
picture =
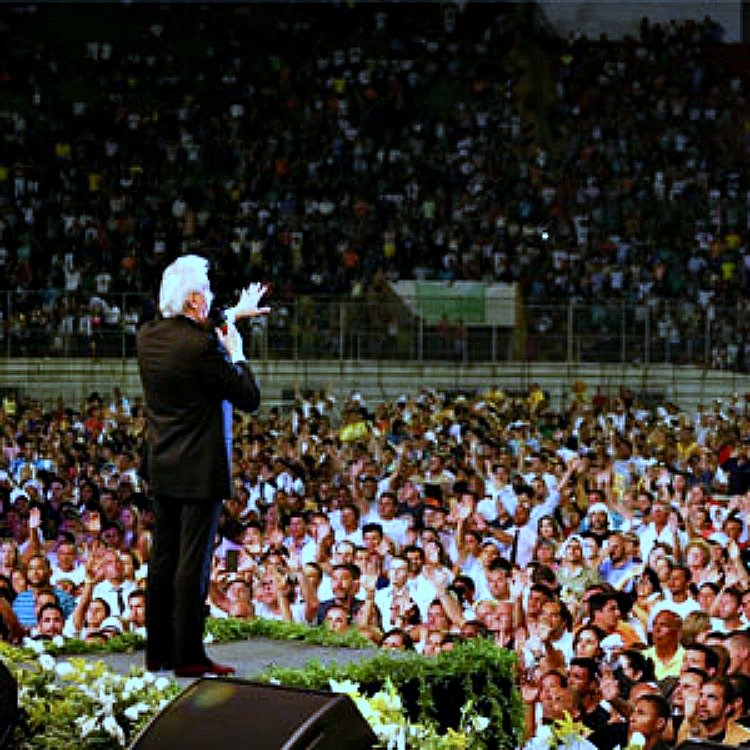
713	722
618	564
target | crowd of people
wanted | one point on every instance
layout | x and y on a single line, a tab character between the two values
325	150
607	545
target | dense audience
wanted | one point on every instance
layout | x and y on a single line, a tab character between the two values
607	545
329	150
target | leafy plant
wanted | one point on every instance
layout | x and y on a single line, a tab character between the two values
384	711
464	699
433	690
233	629
217	631
80	703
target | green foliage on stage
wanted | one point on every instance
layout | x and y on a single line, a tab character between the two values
232	629
218	630
434	689
463	699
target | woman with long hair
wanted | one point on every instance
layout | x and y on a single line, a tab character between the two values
648	592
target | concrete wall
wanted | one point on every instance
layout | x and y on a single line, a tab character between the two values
618	18
72	380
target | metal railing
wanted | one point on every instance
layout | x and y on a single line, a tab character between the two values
55	324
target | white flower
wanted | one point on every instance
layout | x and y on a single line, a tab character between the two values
46	662
107	701
162	683
64	669
637	740
58	641
36	646
87	725
208	638
348	687
545	733
386	732
134	684
365	709
111	727
148	677
134	711
479	723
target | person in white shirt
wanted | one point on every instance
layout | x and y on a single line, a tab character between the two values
261	486
298	541
728	610
499	492
538	469
660	529
395	528
421	589
67	566
680	600
518	541
346	526
395	602
114	589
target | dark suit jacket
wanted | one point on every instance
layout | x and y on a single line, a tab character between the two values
186	374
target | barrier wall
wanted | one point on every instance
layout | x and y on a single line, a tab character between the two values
73	379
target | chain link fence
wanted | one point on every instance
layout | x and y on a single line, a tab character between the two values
55	324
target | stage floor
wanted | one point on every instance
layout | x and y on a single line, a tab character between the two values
252	657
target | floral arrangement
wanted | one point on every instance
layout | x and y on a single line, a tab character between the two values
433	690
460	700
80	703
385	713
563	734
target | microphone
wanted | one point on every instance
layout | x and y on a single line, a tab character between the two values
217	317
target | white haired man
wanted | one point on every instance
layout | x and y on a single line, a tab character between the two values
189	371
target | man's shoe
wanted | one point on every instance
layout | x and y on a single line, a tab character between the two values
204	668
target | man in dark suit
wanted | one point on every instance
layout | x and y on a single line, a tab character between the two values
189	372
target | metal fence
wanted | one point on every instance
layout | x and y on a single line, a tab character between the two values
55	324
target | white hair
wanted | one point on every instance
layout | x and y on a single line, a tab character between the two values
187	274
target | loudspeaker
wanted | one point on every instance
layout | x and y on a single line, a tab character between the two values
9	714
231	713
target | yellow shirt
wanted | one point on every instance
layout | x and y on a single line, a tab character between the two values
664	669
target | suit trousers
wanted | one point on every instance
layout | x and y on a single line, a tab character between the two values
178	578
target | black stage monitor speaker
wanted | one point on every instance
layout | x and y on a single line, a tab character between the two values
230	713
8	705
